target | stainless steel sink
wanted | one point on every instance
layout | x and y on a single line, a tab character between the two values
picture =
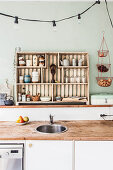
53	128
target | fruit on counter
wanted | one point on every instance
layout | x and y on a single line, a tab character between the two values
22	120
26	119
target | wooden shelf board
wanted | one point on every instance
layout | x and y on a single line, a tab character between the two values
73	67
18	84
55	106
29	67
70	53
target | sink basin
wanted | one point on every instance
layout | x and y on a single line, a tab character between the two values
54	128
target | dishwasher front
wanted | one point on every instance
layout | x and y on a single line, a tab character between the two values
11	156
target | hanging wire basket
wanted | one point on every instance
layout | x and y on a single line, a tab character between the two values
104	81
103	53
103	68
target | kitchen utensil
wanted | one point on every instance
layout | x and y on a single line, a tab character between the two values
9	101
65	62
53	71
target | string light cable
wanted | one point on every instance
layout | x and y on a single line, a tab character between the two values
16	18
108	13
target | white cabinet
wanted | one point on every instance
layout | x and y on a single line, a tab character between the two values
94	155
49	155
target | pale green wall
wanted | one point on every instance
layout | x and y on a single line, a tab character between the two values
70	36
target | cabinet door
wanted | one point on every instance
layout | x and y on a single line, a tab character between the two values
48	155
94	155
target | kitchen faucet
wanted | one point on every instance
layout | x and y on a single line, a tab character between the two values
51	119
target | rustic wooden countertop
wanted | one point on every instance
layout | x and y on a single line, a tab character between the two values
77	130
54	106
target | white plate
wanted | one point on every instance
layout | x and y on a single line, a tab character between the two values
22	123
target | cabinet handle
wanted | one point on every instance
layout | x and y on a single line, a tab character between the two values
30	145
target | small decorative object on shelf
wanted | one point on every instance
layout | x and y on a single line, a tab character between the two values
21	61
102	67
41	60
46	80
53	71
35	60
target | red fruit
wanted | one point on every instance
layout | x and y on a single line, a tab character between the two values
21	121
20	117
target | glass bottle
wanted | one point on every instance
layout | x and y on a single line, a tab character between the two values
23	95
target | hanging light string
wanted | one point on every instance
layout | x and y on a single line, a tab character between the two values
50	21
108	13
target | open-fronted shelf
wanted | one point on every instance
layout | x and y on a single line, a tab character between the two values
70	81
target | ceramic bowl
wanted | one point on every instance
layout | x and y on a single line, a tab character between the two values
45	98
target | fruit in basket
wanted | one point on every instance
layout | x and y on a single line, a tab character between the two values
26	119
104	83
20	120
102	68
101	54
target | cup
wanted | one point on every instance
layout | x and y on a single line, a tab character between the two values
73	62
83	79
21	79
78	79
28	62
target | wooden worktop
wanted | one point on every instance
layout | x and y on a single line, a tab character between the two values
54	106
77	130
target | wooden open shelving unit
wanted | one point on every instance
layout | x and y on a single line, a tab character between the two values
60	87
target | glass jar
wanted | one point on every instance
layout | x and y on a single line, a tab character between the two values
23	95
27	79
28	97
